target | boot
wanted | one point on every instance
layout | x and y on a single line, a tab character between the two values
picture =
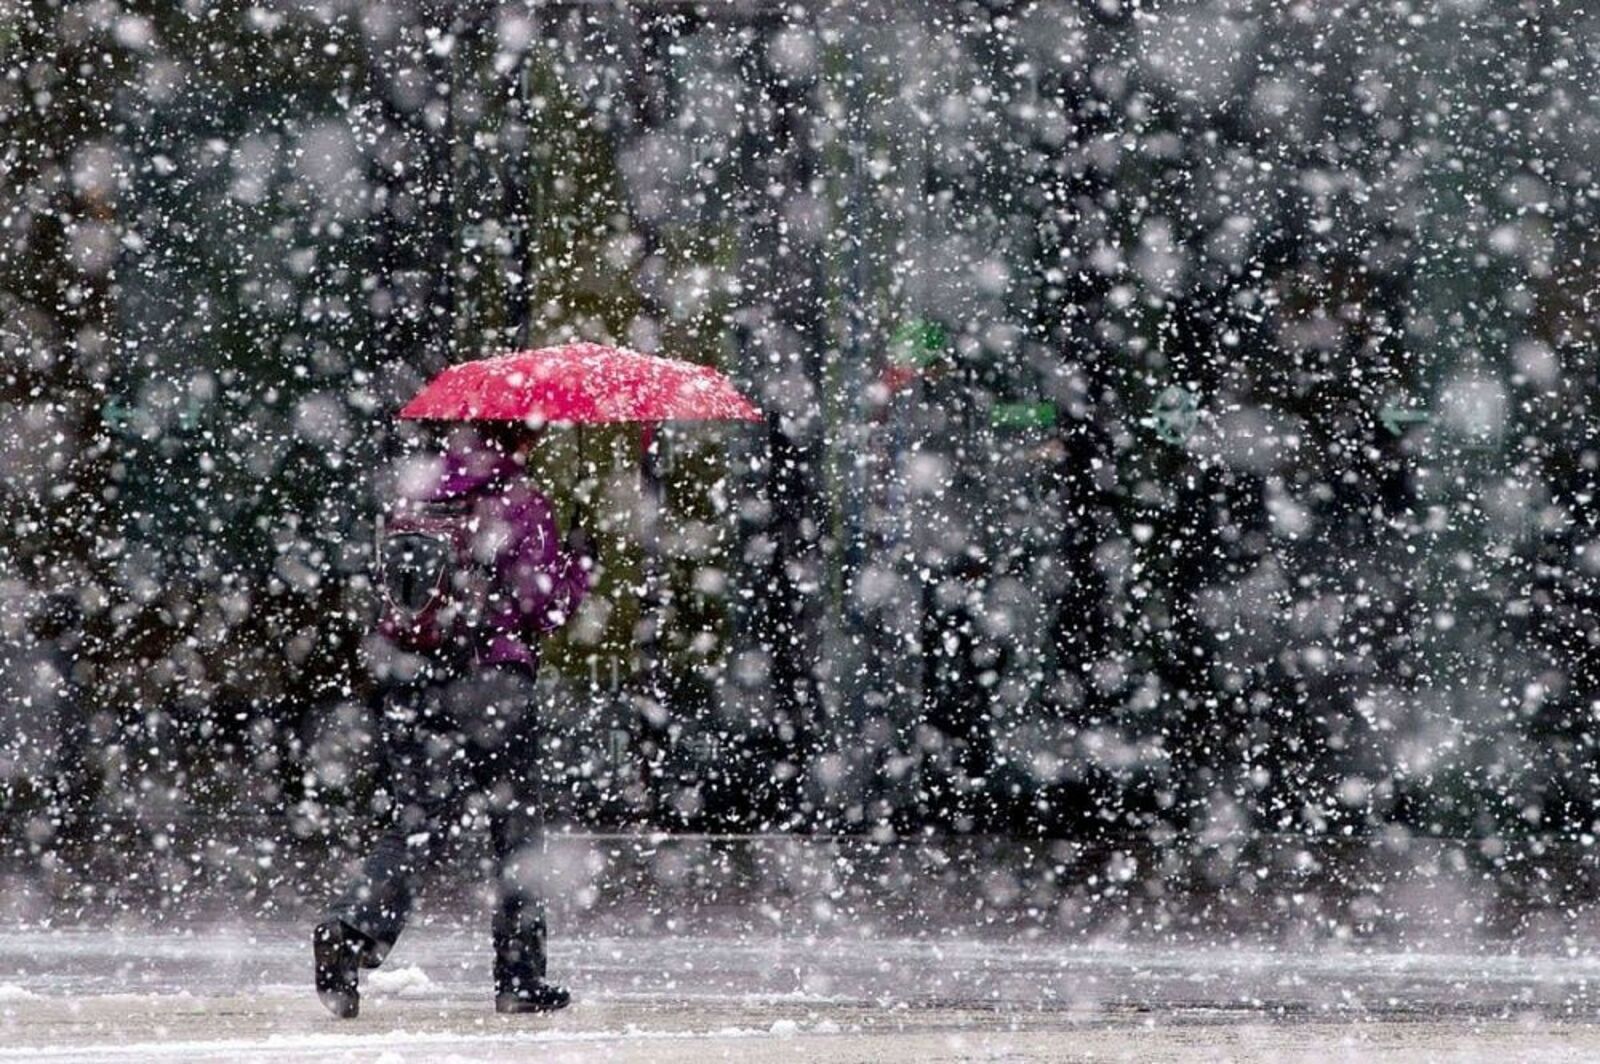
519	983
538	997
338	949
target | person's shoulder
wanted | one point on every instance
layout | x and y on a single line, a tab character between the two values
522	506
527	493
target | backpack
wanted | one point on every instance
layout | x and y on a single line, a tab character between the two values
431	587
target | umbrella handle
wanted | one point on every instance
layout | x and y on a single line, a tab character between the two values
652	497
650	466
572	510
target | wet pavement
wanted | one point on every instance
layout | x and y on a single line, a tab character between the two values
225	993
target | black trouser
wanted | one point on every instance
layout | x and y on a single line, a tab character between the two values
442	737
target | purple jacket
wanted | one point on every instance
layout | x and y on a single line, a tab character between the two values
535	583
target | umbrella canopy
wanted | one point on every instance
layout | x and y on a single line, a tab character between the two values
581	384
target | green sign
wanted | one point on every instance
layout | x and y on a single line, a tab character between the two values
1396	418
118	417
1023	416
918	343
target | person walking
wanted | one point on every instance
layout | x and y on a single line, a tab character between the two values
472	574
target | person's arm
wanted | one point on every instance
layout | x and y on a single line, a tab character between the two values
547	579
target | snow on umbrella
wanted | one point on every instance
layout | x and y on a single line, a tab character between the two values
581	384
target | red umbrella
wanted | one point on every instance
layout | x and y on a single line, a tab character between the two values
582	384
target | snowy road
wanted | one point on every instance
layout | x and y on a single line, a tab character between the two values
208	996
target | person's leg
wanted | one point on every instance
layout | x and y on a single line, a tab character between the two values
521	960
502	754
422	750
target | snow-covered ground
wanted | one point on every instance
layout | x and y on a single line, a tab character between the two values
220	994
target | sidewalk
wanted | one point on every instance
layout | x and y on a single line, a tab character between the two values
222	994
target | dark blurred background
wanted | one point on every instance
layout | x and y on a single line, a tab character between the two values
1179	425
